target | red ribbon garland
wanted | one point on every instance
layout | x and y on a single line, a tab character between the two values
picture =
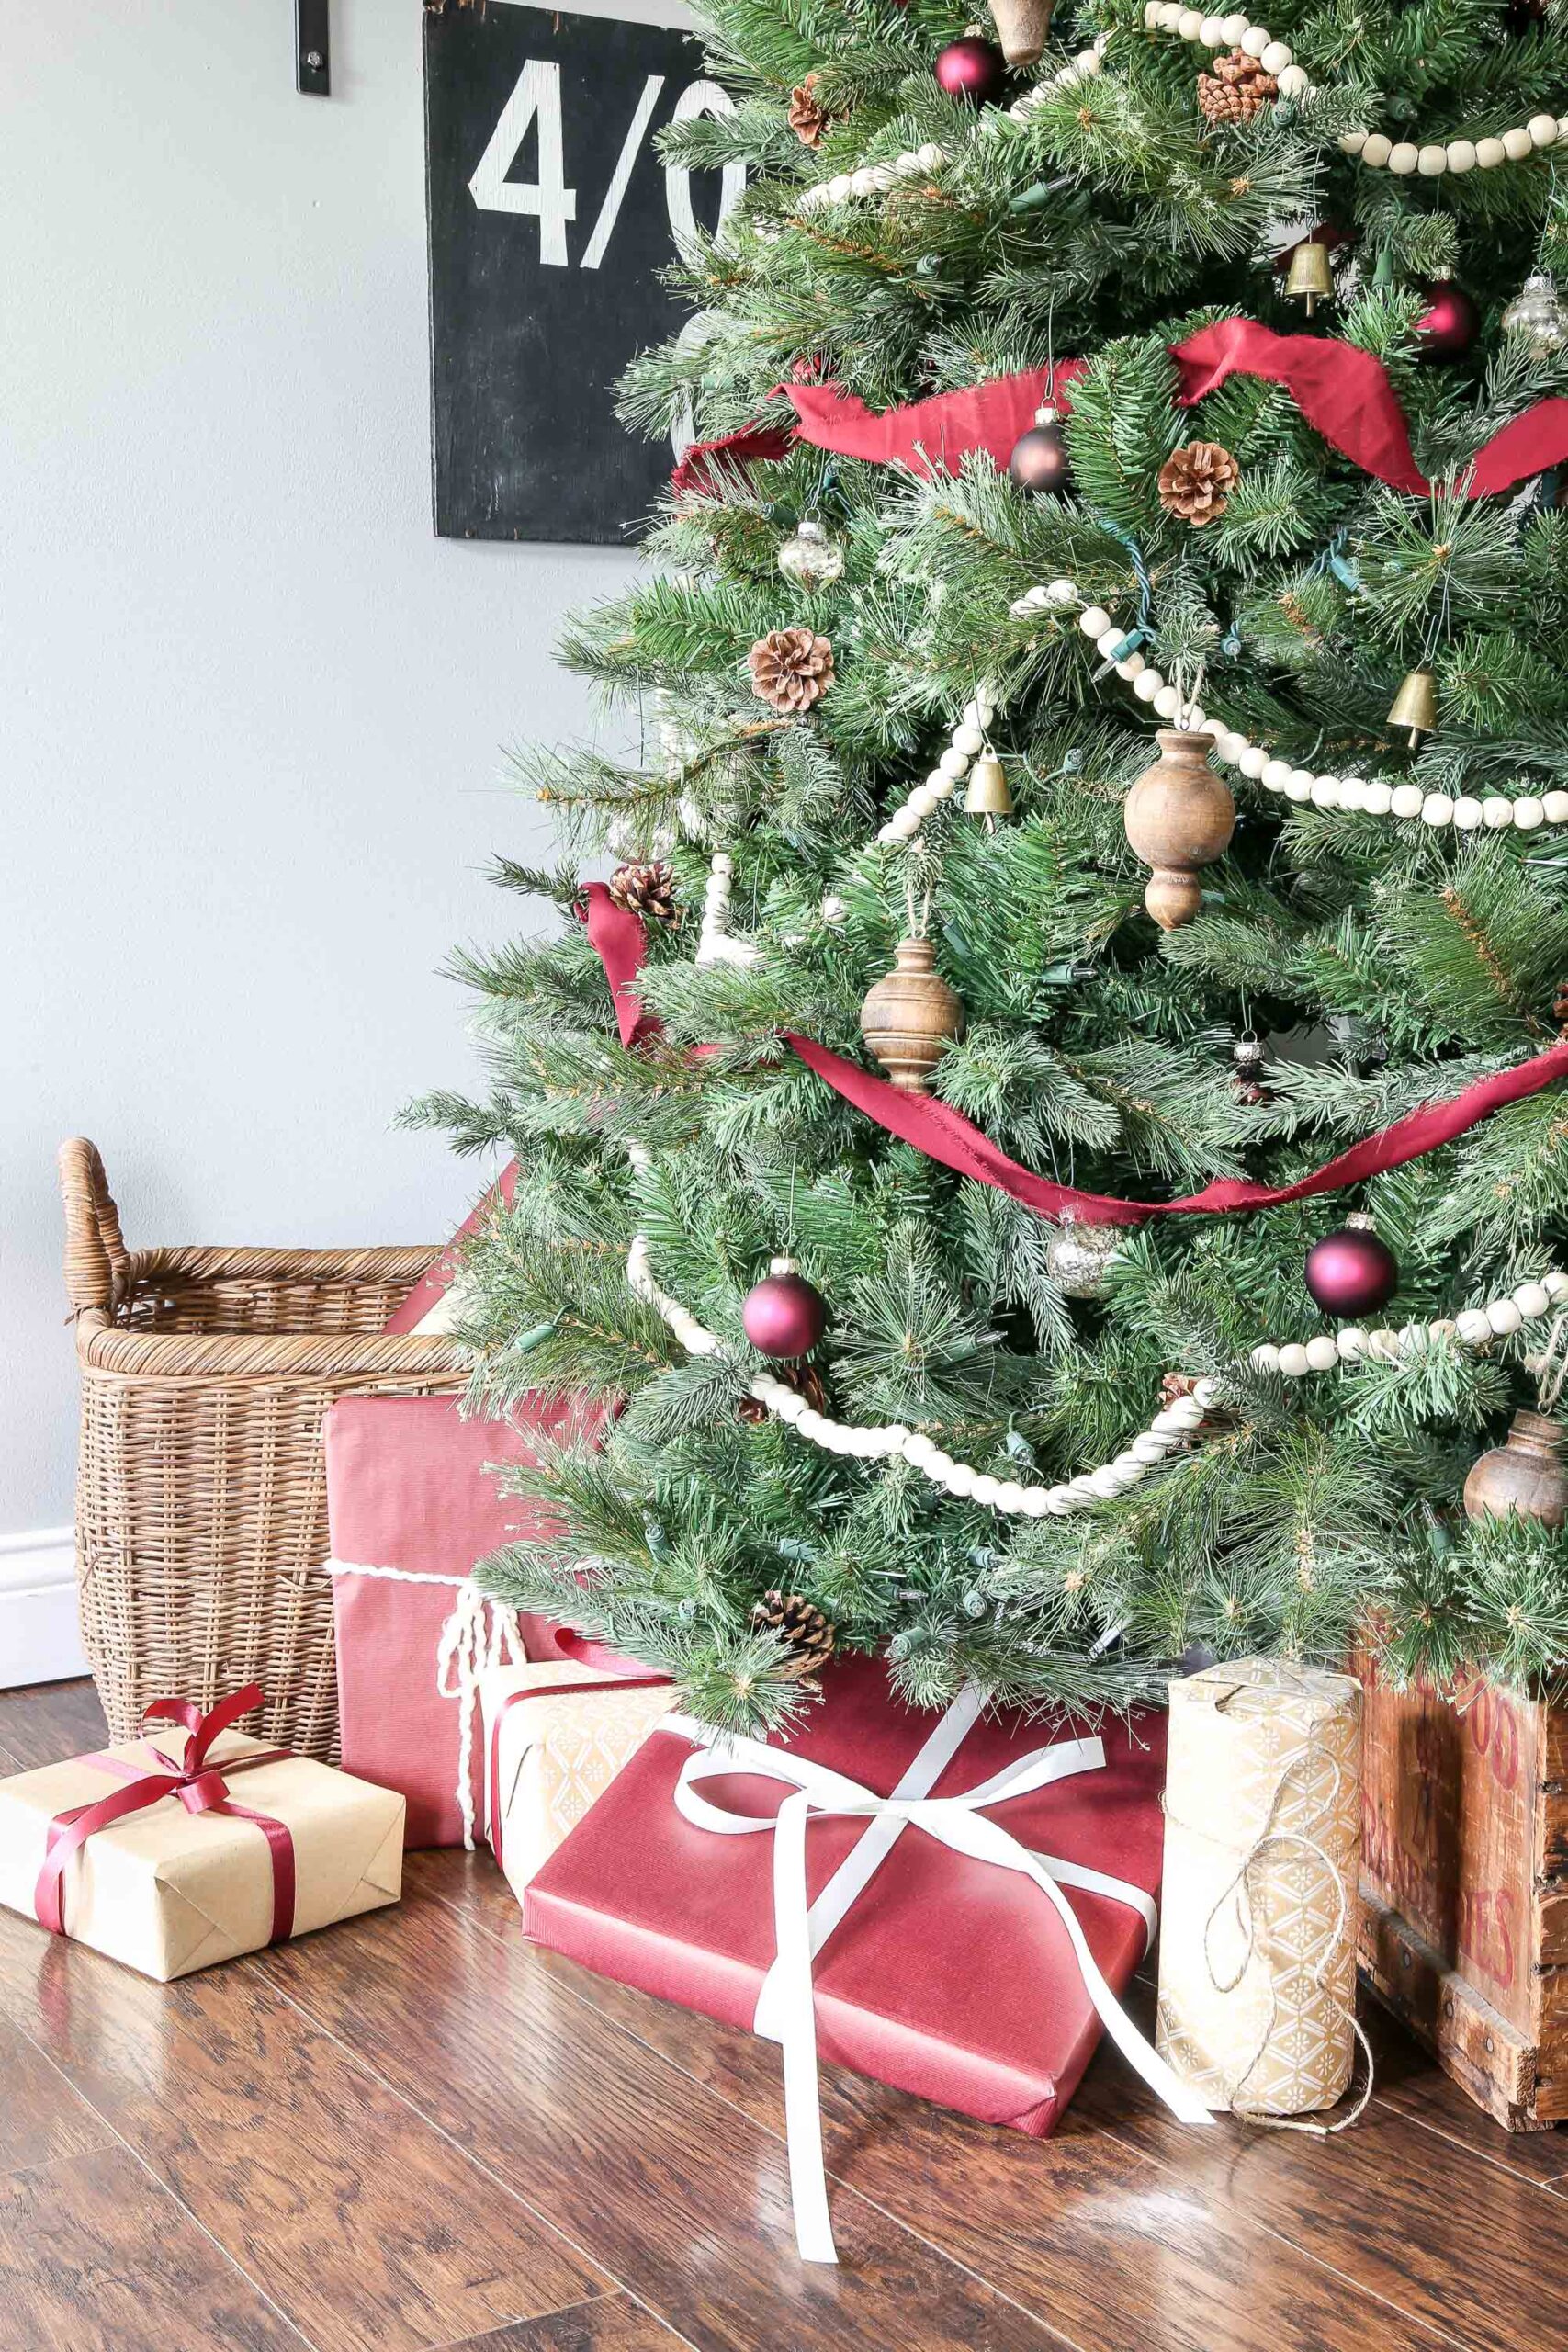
200	1788
1343	392
945	1135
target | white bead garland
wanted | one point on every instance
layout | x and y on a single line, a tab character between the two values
715	945
967	740
923	163
1173	1426
1401	157
1358	794
1475	1326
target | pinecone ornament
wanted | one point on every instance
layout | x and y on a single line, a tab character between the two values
1196	482
807	117
1237	89
647	889
801	1625
790	668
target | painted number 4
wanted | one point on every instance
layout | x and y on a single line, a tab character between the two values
547	199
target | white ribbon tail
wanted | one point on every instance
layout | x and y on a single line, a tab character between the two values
803	2101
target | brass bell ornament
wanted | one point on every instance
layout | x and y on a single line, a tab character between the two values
987	795
1416	704
1310	279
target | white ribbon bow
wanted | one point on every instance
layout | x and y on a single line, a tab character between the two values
786	2007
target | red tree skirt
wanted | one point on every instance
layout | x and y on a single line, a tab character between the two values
1343	392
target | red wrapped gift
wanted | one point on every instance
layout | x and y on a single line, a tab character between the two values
952	1964
411	1508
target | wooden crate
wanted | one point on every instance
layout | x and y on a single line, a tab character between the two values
1464	1927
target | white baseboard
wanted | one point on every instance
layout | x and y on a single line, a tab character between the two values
39	1640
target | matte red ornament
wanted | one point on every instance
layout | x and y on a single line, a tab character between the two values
973	69
785	1315
1450	326
1039	459
1351	1272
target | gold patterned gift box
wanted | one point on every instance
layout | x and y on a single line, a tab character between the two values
556	1734
1262	1860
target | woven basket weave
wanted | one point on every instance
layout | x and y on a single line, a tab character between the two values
201	1509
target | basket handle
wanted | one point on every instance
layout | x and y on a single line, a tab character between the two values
95	1256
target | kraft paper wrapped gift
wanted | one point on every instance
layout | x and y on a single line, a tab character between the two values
555	1737
172	1856
1262	1861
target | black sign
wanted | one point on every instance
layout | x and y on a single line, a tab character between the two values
549	215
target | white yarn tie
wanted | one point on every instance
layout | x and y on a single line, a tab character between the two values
481	1633
785	2008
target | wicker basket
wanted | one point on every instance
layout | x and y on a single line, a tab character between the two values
201	1509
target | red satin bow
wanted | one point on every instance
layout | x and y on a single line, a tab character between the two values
200	1787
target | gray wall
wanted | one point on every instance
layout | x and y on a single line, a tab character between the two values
251	710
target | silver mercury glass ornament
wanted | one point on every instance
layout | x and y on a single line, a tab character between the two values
1537	315
1078	1256
811	559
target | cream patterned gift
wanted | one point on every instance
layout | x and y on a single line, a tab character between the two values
1262	1858
556	1734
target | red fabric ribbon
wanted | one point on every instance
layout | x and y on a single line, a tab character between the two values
200	1787
617	933
945	1135
1343	392
624	1677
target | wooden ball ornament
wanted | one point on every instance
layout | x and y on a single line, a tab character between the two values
910	1017
1178	816
1525	1473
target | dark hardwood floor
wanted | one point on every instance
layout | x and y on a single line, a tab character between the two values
416	2131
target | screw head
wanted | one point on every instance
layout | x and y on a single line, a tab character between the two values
314	59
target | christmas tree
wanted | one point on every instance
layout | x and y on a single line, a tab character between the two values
983	1436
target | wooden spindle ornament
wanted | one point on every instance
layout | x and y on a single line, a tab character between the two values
1178	816
1525	1474
910	1017
1022	28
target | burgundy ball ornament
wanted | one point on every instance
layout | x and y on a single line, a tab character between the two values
1351	1272
1039	459
1448	326
785	1315
973	68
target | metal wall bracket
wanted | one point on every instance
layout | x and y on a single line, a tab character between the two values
312	58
